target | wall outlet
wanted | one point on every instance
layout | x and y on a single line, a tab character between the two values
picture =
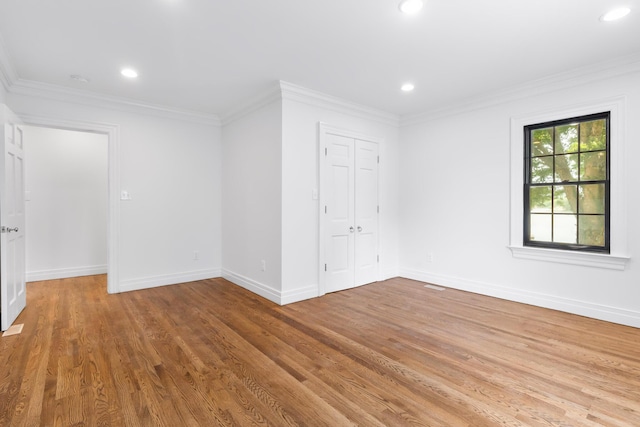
429	256
196	255
263	265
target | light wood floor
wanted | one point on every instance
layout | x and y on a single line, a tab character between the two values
394	353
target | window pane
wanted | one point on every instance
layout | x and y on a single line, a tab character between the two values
541	170
593	135
591	230
567	168
593	166
565	199
542	142
567	182
540	199
565	228
540	228
592	199
567	139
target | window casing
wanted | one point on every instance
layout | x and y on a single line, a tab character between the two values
567	184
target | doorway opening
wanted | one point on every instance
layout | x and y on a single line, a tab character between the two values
112	134
66	203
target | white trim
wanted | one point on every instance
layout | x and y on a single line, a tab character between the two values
572	78
84	97
318	99
168	279
63	273
324	130
265	291
258	288
595	311
618	256
252	105
332	130
586	259
299	294
113	214
292	92
7	72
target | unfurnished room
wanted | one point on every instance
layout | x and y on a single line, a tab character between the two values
319	213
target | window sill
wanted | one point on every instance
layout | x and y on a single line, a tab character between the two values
607	261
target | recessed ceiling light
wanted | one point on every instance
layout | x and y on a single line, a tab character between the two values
410	6
407	87
615	14
129	72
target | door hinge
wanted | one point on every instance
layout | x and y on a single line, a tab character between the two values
325	151
325	208
378	159
377	258
325	267
378	208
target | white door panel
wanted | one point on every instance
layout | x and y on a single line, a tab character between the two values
340	215
13	294
350	189
366	245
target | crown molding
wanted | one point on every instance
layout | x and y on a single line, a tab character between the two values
75	96
255	103
7	72
14	85
318	99
564	80
284	90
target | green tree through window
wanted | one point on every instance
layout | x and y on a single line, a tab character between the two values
566	185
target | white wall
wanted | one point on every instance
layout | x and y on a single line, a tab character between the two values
270	171
251	201
66	207
300	213
455	199
171	167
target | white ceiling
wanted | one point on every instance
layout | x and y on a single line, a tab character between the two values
211	55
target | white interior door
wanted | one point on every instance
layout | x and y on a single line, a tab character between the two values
350	214
339	213
366	212
12	249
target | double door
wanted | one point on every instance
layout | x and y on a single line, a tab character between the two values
350	211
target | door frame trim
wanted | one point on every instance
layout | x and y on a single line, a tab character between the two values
323	130
112	131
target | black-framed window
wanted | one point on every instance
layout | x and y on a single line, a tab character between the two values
566	184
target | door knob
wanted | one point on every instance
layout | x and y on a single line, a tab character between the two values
9	229
359	229
350	229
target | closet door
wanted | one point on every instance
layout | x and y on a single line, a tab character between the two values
350	212
366	212
340	216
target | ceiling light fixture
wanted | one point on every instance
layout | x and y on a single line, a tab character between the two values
410	6
615	14
129	72
407	87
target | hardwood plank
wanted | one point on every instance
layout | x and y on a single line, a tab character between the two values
387	354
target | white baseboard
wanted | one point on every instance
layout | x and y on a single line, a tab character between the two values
273	295
299	294
582	308
64	273
261	289
388	273
167	279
